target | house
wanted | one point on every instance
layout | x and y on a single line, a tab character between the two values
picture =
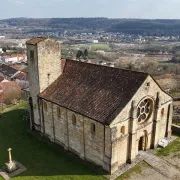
20	76
11	73
104	115
95	41
7	71
14	58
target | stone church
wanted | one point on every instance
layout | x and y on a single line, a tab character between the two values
104	115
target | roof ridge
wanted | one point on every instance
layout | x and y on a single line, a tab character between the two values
108	67
36	40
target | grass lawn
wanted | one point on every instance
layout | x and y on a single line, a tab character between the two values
94	47
177	124
104	47
134	170
173	147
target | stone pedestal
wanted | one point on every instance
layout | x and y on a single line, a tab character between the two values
10	167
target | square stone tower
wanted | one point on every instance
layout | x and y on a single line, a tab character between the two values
44	67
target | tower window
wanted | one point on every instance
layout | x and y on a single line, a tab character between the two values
93	128
123	130
31	54
74	120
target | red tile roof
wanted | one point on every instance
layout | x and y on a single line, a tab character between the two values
20	76
98	92
35	40
14	55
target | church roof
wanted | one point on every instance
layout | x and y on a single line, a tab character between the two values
35	40
95	91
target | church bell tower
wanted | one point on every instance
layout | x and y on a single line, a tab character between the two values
44	67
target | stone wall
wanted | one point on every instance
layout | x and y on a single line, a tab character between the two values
92	144
119	138
94	141
49	62
33	76
75	132
60	124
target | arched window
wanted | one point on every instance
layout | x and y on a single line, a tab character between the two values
162	112
45	106
74	120
123	129
93	128
58	112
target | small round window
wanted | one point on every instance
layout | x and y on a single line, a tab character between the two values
144	110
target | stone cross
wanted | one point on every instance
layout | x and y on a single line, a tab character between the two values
10	158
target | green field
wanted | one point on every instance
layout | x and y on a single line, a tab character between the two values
104	47
93	47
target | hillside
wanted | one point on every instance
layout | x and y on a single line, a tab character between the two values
130	26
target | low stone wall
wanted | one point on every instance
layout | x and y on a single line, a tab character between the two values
175	129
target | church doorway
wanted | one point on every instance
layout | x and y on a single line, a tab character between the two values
142	146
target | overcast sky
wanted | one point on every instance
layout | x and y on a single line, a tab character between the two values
151	9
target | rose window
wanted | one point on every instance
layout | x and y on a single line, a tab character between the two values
144	110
